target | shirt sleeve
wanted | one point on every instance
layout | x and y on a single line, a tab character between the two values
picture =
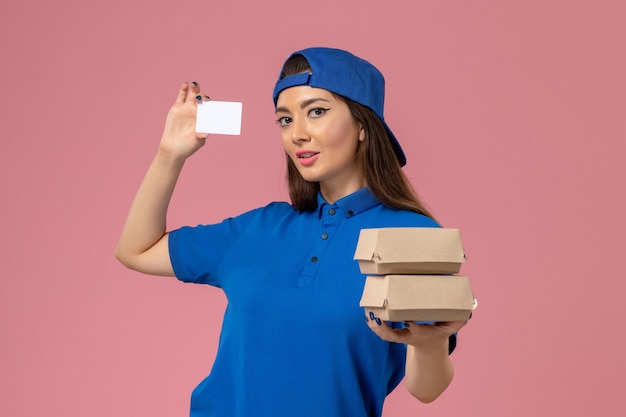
196	252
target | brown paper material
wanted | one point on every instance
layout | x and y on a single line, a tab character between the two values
419	297
409	250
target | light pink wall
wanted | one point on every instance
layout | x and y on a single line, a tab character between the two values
513	118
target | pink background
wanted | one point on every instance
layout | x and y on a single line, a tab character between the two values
513	118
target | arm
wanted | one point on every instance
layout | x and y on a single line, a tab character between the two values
143	245
429	370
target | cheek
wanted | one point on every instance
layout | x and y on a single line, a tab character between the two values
285	139
287	145
342	136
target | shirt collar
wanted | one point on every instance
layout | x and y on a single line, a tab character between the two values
352	204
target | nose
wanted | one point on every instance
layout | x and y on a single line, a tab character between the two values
299	131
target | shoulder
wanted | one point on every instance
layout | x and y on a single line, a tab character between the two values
273	210
238	222
391	217
278	207
263	217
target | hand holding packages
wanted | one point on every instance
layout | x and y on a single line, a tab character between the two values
413	280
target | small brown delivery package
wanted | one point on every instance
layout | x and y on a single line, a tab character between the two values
410	274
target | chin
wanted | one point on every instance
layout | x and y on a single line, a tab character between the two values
311	179
310	176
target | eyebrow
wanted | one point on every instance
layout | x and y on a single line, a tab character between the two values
303	105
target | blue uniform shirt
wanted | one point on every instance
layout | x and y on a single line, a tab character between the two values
294	341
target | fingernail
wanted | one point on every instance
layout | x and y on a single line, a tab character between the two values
366	319
372	315
378	321
194	83
198	98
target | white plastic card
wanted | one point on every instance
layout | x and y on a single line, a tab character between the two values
219	117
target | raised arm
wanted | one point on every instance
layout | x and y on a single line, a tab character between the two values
143	243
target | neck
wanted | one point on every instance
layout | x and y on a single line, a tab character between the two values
332	193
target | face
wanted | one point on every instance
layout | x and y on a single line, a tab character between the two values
321	137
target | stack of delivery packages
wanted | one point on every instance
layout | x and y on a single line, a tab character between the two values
412	274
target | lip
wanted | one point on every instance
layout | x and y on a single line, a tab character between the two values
307	157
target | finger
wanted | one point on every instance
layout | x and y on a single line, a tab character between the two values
193	94
182	93
371	319
455	326
450	324
202	98
195	88
382	329
388	333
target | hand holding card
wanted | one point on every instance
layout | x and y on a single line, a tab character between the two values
219	117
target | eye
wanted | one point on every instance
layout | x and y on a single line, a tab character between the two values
318	112
283	121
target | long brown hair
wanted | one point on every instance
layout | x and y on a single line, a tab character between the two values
383	173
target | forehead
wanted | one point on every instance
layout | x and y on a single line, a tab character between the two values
293	97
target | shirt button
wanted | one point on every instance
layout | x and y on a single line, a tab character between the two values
331	212
350	213
314	259
324	236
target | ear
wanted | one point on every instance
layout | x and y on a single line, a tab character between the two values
361	133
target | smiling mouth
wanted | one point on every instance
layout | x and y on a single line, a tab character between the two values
305	155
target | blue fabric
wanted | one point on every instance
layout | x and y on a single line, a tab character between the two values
294	341
345	74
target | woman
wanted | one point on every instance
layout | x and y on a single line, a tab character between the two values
293	341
